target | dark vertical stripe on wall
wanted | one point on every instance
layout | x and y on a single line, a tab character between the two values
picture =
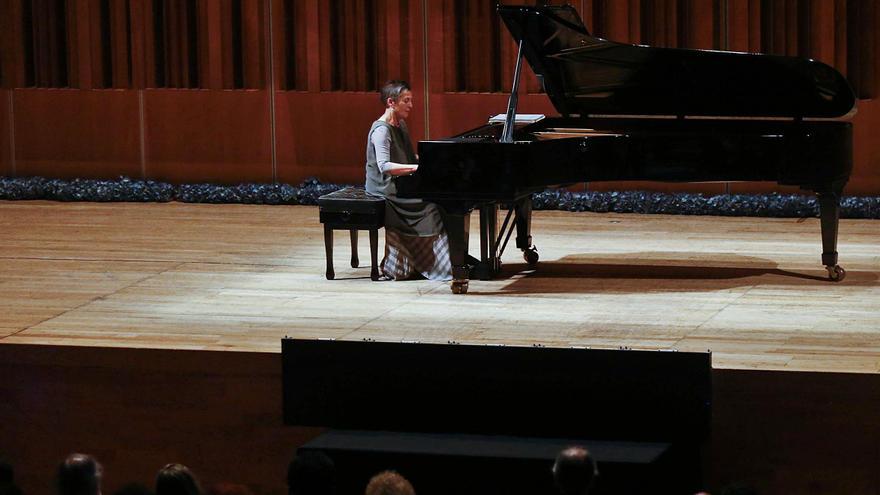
404	37
45	42
494	52
159	41
60	41
646	21
28	41
861	60
128	35
335	70
237	61
720	21
766	28
600	24
461	45
372	54
290	60
106	49
804	22
684	14
192	37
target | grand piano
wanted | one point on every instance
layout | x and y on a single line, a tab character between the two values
632	112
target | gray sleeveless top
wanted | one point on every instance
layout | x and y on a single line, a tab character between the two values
406	216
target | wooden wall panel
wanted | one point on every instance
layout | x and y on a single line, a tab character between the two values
76	133
6	166
207	136
325	137
865	179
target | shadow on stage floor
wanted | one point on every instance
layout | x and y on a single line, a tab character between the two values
617	274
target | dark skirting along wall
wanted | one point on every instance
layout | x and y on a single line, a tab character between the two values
279	90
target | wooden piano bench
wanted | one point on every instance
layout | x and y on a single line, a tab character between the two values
352	209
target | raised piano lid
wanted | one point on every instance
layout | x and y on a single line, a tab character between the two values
586	75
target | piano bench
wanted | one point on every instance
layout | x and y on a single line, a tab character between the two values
352	209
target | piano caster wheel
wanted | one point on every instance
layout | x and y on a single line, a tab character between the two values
531	256
459	286
836	273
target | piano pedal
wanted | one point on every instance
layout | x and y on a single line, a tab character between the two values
836	273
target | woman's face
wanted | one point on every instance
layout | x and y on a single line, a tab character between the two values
404	104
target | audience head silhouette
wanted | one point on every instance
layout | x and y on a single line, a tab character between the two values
389	483
310	473
177	479
79	474
574	471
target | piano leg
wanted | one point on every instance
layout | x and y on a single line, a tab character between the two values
524	231
489	264
829	213
458	230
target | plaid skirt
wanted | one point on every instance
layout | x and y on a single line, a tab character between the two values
406	255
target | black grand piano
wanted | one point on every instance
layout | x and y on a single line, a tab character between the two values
631	112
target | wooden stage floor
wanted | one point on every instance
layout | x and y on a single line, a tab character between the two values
241	277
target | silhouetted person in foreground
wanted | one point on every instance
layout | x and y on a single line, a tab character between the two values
177	479
311	473
574	471
7	476
389	483
7	480
79	474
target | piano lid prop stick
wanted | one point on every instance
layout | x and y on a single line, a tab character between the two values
507	132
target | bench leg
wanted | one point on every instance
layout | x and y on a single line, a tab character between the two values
354	248
374	259
328	249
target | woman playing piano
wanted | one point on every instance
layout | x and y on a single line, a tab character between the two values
415	241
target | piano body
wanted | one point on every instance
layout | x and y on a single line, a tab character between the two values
639	113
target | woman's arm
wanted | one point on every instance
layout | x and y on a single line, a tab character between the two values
396	169
381	140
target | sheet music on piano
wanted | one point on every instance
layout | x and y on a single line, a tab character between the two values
520	118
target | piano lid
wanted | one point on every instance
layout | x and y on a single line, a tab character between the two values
586	75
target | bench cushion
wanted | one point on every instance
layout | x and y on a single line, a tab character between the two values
352	207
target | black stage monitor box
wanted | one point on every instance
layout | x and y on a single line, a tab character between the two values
497	390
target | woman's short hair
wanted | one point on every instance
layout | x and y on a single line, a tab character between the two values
177	479
392	89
